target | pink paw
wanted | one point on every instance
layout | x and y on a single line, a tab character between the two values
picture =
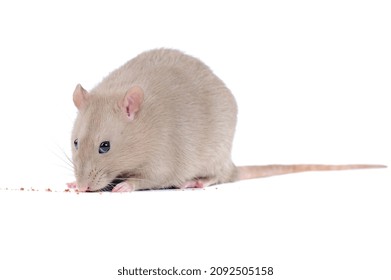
192	184
72	185
123	187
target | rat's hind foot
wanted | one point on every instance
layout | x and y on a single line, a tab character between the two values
192	184
123	187
198	183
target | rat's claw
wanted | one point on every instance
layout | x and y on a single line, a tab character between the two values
123	187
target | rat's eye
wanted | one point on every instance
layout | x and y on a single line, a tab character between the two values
76	143
104	147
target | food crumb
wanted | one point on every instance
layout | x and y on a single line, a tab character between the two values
22	189
48	190
66	190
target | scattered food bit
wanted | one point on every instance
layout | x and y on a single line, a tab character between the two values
30	189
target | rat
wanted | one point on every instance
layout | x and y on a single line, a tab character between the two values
161	120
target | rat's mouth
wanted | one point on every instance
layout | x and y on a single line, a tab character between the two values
110	186
119	179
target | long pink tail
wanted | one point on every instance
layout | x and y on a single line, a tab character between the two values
251	172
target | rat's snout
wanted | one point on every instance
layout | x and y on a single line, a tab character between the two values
84	187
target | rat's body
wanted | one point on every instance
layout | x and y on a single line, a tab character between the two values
161	120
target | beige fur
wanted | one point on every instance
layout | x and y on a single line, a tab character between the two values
170	122
183	131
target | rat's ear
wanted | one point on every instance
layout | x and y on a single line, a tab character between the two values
80	96
132	101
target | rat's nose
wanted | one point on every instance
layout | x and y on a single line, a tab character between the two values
84	187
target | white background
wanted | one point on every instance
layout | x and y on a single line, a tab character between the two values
312	82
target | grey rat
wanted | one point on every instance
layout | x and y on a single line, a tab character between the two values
163	119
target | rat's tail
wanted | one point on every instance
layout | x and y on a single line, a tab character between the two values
251	172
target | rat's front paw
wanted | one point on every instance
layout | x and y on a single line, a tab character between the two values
72	185
123	187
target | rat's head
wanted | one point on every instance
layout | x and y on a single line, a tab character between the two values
100	139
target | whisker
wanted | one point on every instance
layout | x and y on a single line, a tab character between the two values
66	167
68	162
69	159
